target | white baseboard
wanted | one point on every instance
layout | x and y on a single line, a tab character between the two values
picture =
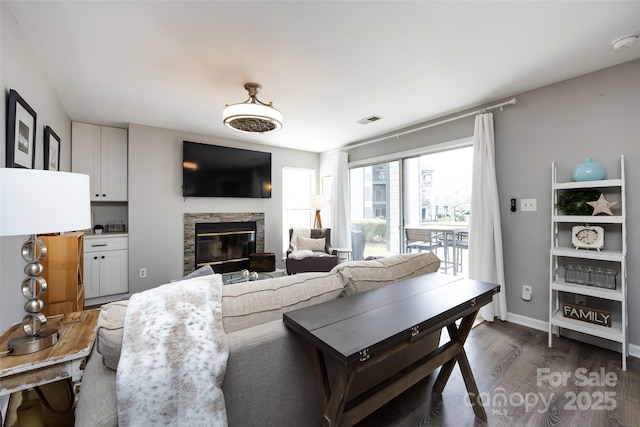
541	325
529	322
104	300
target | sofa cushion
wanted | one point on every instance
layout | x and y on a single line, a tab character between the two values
270	379
110	329
248	304
360	276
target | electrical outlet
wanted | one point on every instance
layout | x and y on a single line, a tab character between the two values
581	299
143	273
528	205
527	290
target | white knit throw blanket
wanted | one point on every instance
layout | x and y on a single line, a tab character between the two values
174	356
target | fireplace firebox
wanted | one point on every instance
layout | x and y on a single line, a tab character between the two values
225	246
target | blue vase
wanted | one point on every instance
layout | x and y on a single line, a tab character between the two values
588	171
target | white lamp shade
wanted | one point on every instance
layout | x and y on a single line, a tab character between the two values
319	201
41	201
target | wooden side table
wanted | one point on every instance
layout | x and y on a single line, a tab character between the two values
65	359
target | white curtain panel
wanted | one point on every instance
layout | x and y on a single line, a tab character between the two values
341	232
485	234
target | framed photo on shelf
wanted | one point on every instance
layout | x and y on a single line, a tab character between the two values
21	133
51	150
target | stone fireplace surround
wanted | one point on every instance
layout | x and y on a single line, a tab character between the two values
190	220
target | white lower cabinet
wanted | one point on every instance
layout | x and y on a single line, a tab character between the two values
106	266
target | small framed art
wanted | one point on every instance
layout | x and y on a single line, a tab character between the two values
21	133
51	150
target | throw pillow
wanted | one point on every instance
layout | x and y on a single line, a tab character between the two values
111	325
316	245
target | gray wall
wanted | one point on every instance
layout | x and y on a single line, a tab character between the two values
457	129
20	70
595	115
156	205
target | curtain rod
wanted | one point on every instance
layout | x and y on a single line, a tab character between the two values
512	101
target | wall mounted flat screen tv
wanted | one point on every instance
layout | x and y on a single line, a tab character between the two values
216	171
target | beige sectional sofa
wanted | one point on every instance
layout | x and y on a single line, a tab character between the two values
269	379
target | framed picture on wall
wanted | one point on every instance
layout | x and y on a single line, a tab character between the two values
21	133
51	150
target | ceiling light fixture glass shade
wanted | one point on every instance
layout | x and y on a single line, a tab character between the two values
253	115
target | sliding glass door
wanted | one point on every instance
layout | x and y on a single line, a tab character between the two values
424	192
438	187
375	210
437	202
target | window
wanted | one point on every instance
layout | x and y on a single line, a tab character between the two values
297	187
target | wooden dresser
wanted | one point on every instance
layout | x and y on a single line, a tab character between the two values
64	272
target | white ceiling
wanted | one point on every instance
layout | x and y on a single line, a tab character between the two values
323	64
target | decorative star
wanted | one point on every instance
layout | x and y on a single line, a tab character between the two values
602	205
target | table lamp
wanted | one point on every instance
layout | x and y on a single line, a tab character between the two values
36	202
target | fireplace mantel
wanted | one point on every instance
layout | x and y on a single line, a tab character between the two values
190	220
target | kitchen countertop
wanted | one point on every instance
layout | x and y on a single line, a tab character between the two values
92	235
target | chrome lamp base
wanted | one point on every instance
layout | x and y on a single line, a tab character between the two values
25	344
36	337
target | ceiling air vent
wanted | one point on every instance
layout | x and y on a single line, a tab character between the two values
368	120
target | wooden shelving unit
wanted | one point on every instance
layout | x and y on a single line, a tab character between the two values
64	272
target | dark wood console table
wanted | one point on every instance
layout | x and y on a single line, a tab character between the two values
353	336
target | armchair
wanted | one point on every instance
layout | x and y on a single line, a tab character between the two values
310	250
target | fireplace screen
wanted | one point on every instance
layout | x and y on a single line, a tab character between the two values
225	246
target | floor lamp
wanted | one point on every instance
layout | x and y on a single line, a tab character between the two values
36	202
318	202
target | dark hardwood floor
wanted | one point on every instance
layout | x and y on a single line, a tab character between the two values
507	361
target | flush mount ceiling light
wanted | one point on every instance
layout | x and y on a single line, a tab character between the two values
252	116
625	42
